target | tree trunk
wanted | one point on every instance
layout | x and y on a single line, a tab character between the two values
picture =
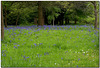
53	22
2	24
62	21
75	21
5	18
95	11
35	21
68	21
40	14
17	19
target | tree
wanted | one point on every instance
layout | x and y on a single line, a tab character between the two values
53	14
40	13
2	24
95	13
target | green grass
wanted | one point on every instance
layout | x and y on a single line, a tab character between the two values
67	47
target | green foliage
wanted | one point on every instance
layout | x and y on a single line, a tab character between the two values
54	13
28	10
89	20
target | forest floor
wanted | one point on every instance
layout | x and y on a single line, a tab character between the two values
48	46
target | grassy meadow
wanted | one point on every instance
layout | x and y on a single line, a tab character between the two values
50	46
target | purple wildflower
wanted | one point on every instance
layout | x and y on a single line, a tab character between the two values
66	51
94	45
24	56
14	46
27	57
10	41
40	43
93	41
61	58
5	44
38	55
89	31
78	59
54	44
44	53
35	44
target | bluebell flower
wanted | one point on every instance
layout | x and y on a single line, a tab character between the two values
77	65
38	29
93	41
17	45
61	58
44	53
5	44
54	44
24	56
89	31
78	59
19	38
11	58
60	48
13	38
40	43
47	53
38	55
10	41
4	54
14	46
27	57
35	44
94	45
66	51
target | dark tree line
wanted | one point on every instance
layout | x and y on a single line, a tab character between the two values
47	13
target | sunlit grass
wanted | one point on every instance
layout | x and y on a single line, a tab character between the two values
68	46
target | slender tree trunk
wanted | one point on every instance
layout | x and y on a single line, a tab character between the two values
17	19
35	21
95	11
75	21
53	22
40	14
68	21
62	21
5	18
2	24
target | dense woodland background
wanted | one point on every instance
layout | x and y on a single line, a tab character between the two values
49	13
